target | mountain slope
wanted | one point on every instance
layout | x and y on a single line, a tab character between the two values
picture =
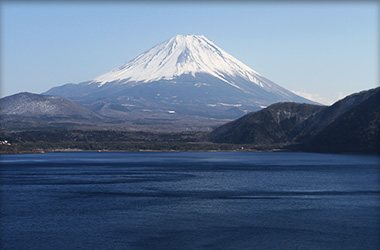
178	56
22	109
189	55
351	125
316	123
354	130
187	76
270	125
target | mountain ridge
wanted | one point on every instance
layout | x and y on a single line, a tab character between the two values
186	74
35	105
351	125
355	130
27	111
273	124
321	120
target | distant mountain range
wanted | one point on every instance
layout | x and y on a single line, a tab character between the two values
27	111
186	82
351	125
31	111
34	105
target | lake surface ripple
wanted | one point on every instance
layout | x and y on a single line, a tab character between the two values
190	200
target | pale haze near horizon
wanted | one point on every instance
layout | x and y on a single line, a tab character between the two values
322	51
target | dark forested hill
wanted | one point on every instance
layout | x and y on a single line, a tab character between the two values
353	130
273	124
351	125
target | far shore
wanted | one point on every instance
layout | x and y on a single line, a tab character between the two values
71	150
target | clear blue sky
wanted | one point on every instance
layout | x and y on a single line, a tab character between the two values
324	50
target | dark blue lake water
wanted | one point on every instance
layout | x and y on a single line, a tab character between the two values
190	200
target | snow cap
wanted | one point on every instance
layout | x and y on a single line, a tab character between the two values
181	54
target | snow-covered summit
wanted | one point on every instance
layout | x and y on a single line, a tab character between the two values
181	54
186	79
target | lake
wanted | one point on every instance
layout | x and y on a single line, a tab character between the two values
190	200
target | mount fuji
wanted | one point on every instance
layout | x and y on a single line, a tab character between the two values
187	80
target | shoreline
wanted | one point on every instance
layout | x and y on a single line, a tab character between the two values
41	151
39	142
